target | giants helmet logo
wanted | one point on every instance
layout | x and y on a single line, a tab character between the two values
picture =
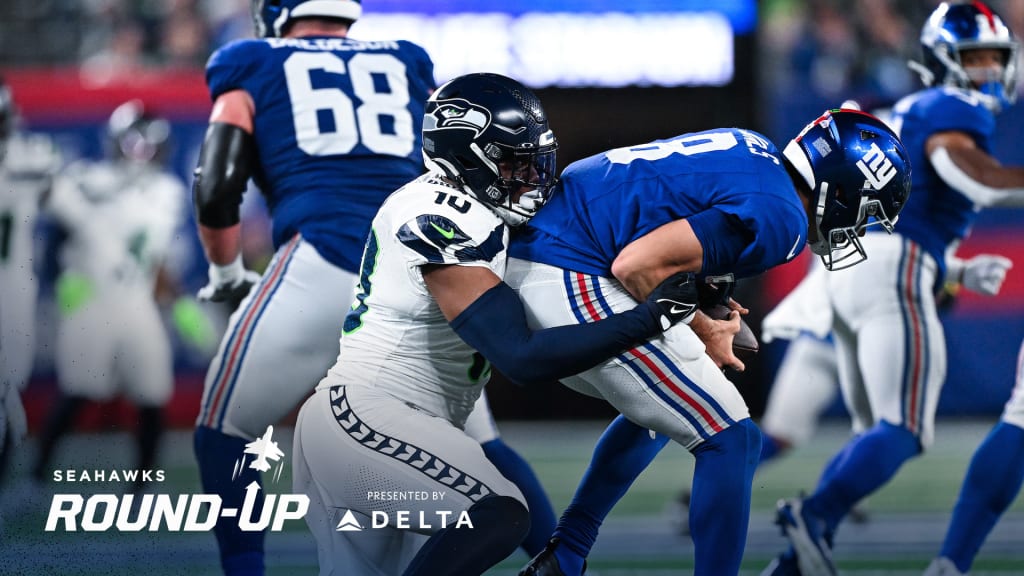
460	114
876	168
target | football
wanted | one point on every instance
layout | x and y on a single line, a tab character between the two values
744	344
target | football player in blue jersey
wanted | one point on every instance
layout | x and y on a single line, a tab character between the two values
970	67
722	204
430	315
327	126
889	339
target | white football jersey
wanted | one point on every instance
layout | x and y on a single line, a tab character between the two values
26	174
395	336
121	220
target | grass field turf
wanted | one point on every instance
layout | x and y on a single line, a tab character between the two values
908	516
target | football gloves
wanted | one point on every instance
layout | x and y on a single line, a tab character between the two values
982	274
228	283
675	299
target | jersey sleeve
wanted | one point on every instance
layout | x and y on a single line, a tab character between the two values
438	239
228	68
776	231
961	111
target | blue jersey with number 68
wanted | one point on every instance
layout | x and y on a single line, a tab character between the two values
606	201
337	129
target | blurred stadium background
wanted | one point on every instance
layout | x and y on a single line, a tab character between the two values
610	74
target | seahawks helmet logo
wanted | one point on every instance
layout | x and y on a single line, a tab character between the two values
458	114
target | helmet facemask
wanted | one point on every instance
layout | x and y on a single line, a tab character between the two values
524	179
839	246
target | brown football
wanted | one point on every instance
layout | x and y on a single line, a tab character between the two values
744	344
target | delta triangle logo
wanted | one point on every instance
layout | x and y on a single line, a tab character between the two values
349	523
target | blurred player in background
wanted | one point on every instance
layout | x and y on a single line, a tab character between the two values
120	217
808	378
889	340
327	127
722	203
430	313
28	163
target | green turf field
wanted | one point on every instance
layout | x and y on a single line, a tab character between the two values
907	518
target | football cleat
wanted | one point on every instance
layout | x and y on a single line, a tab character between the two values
545	563
806	534
943	567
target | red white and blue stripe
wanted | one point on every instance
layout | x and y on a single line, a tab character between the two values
233	355
915	336
650	365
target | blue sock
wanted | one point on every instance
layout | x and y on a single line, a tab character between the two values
864	465
993	481
241	553
542	515
621	454
720	503
770	449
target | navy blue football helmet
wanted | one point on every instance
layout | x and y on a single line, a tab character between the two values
858	174
136	134
954	28
490	135
272	17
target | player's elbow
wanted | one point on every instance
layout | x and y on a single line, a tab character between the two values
226	161
524	372
629	268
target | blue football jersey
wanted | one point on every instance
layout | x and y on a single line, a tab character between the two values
606	201
936	215
337	129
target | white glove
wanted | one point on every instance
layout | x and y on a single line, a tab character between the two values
982	274
227	283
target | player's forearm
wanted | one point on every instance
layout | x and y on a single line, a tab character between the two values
645	262
495	325
221	245
978	176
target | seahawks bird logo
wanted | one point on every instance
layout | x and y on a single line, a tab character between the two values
458	113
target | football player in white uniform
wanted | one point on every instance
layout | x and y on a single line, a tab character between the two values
120	216
383	438
27	165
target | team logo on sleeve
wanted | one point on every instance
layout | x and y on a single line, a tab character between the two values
459	114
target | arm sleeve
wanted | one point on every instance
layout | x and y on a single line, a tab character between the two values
977	192
495	325
722	238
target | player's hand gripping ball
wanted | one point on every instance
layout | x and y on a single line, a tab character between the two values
714	298
744	343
